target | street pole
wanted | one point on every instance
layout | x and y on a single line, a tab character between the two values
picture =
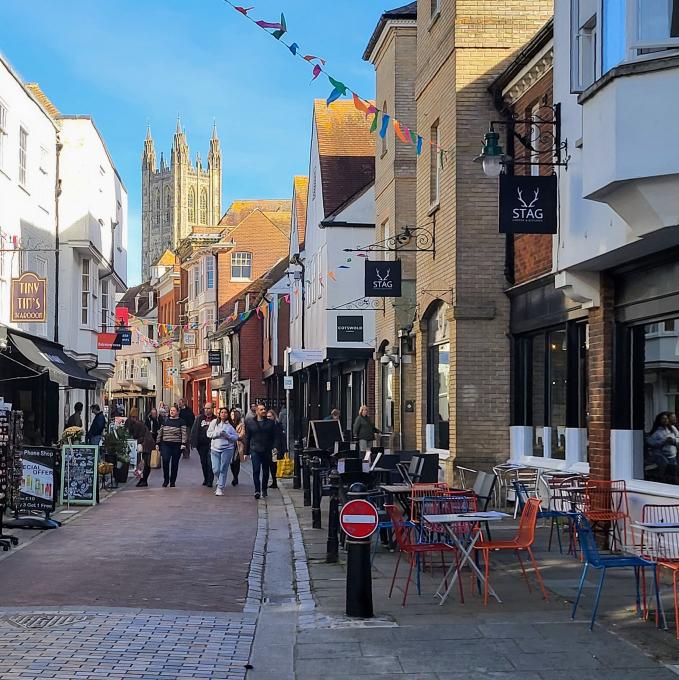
287	397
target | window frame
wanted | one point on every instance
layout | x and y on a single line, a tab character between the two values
192	205
434	165
209	272
635	43
4	134
202	206
246	256
85	293
22	176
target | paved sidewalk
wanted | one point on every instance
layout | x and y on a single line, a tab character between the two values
524	636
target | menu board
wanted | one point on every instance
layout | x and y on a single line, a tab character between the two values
36	490
79	474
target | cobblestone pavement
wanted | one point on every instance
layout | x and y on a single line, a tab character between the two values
150	585
120	644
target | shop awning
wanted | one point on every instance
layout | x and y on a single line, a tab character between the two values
52	359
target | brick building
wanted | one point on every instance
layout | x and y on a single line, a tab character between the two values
393	51
462	398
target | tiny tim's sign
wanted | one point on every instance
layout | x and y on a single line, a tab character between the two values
29	299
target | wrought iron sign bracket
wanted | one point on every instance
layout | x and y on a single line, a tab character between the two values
410	240
361	304
547	122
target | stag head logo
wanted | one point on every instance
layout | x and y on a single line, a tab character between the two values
527	212
383	281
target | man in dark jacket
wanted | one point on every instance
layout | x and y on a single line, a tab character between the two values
186	414
260	439
199	440
76	419
96	432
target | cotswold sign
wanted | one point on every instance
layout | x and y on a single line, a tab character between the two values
29	299
527	204
383	279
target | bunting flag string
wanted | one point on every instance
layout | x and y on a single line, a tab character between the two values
340	89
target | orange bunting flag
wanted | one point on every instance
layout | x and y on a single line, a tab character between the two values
310	57
331	275
399	132
360	104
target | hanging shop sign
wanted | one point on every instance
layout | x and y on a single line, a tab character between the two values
122	317
349	329
167	374
214	357
306	356
29	299
36	490
79	474
382	278
528	204
190	339
114	340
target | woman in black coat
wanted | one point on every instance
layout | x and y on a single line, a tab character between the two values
280	446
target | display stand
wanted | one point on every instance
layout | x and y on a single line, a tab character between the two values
9	421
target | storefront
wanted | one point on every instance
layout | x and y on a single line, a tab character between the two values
550	343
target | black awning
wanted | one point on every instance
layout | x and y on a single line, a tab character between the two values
52	359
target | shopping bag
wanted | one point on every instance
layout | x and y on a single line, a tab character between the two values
155	458
284	467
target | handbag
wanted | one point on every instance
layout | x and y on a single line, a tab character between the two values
284	467
155	458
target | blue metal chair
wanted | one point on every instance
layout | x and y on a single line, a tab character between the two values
594	559
553	515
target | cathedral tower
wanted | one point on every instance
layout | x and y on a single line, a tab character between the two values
178	196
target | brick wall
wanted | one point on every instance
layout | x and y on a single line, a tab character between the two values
459	55
250	360
600	358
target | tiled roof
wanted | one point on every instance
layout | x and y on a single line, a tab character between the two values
281	220
301	188
129	299
44	100
167	259
240	209
347	151
255	289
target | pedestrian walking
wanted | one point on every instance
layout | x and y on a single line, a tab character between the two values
252	413
96	431
76	419
335	414
200	441
187	415
172	439
260	439
279	448
364	429
239	424
153	421
145	443
223	438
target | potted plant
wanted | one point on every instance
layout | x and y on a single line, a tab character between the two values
115	444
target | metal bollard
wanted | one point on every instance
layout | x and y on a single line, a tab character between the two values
316	493
359	591
306	480
332	546
297	473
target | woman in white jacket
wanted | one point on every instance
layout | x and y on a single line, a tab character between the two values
223	438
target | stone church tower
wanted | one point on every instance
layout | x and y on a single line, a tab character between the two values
177	197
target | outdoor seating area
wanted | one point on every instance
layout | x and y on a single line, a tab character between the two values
471	543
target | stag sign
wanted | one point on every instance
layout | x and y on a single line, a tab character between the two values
528	204
383	278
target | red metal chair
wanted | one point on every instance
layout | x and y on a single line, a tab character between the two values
663	548
407	545
524	539
419	490
606	503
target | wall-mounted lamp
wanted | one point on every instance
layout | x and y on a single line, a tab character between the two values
492	156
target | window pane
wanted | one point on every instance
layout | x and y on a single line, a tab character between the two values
557	392
614	33
538	392
658	20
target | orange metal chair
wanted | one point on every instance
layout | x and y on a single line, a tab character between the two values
663	548
606	502
524	539
408	546
418	491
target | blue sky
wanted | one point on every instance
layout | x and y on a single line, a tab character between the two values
129	62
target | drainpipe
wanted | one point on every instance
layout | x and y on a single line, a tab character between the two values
57	194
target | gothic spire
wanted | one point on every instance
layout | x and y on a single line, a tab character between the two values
149	156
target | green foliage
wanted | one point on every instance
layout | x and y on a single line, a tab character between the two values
116	443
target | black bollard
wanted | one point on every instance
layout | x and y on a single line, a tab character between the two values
316	494
359	592
306	481
297	471
332	546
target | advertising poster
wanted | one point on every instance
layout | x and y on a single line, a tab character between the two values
36	491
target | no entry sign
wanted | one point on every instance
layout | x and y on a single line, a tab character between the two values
358	519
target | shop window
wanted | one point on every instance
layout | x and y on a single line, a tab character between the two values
438	365
387	397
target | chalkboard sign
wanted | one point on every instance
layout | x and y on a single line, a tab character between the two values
79	474
36	490
323	434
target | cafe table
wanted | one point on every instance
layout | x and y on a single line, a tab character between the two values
465	544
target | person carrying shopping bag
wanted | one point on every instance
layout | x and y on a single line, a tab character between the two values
223	437
172	439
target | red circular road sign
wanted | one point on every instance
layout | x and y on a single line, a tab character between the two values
358	519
